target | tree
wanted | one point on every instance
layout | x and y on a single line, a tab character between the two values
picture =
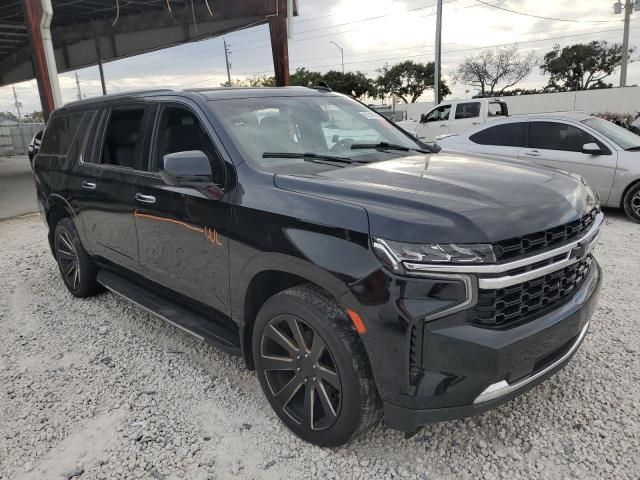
355	84
408	80
34	117
8	116
305	78
255	81
503	66
582	66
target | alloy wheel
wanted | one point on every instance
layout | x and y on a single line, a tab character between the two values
635	203
67	256
301	373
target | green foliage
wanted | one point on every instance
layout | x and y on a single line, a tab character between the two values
8	116
582	66
355	84
256	81
305	78
34	117
408	80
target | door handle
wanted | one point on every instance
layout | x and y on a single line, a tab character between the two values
145	198
88	185
533	153
443	124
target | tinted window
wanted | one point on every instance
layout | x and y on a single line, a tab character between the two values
180	131
439	114
498	109
60	133
123	138
467	110
558	136
506	135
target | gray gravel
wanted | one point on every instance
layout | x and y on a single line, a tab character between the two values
98	388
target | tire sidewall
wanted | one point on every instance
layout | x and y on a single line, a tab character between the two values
86	285
627	203
350	410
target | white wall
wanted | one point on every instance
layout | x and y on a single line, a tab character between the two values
614	100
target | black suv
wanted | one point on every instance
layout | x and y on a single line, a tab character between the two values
361	274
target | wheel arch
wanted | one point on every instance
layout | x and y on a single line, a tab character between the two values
268	275
58	208
626	190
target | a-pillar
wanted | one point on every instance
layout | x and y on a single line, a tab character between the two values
279	45
37	16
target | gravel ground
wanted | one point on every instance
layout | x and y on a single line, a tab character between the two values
98	388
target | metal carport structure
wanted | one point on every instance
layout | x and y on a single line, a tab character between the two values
39	38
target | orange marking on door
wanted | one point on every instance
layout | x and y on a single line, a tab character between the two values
171	220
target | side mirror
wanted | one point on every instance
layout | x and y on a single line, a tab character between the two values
591	149
423	118
185	168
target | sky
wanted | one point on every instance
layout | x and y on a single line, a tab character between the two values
372	33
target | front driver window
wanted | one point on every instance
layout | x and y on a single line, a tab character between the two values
439	114
558	136
179	130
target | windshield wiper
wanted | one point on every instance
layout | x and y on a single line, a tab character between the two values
633	149
308	156
387	146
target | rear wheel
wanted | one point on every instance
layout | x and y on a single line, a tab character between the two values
631	203
313	368
77	269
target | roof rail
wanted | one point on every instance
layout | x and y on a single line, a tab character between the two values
110	96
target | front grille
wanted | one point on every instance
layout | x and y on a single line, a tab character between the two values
518	303
540	241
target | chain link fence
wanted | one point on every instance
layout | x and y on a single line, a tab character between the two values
14	139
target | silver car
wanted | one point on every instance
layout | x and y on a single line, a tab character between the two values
606	155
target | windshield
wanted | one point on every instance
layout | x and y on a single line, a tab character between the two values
322	125
622	137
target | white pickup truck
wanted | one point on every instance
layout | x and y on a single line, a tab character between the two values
456	117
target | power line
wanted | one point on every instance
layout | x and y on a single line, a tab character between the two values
487	4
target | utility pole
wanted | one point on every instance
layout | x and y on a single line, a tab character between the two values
78	85
341	53
628	9
625	44
17	104
226	58
436	70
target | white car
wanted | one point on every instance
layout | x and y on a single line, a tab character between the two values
606	155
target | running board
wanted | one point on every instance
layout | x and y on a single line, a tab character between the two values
171	312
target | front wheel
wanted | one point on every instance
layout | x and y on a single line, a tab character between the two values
312	367
631	203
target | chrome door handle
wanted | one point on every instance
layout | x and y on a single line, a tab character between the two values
533	153
88	185
145	198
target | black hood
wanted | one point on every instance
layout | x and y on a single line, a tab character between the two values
452	198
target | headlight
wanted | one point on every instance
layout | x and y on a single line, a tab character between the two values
391	253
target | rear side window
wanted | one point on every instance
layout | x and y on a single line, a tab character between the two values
507	135
123	138
59	134
467	110
498	109
558	136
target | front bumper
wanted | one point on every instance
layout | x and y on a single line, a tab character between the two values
466	370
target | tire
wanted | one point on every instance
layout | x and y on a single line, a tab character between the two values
631	203
332	355
77	269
